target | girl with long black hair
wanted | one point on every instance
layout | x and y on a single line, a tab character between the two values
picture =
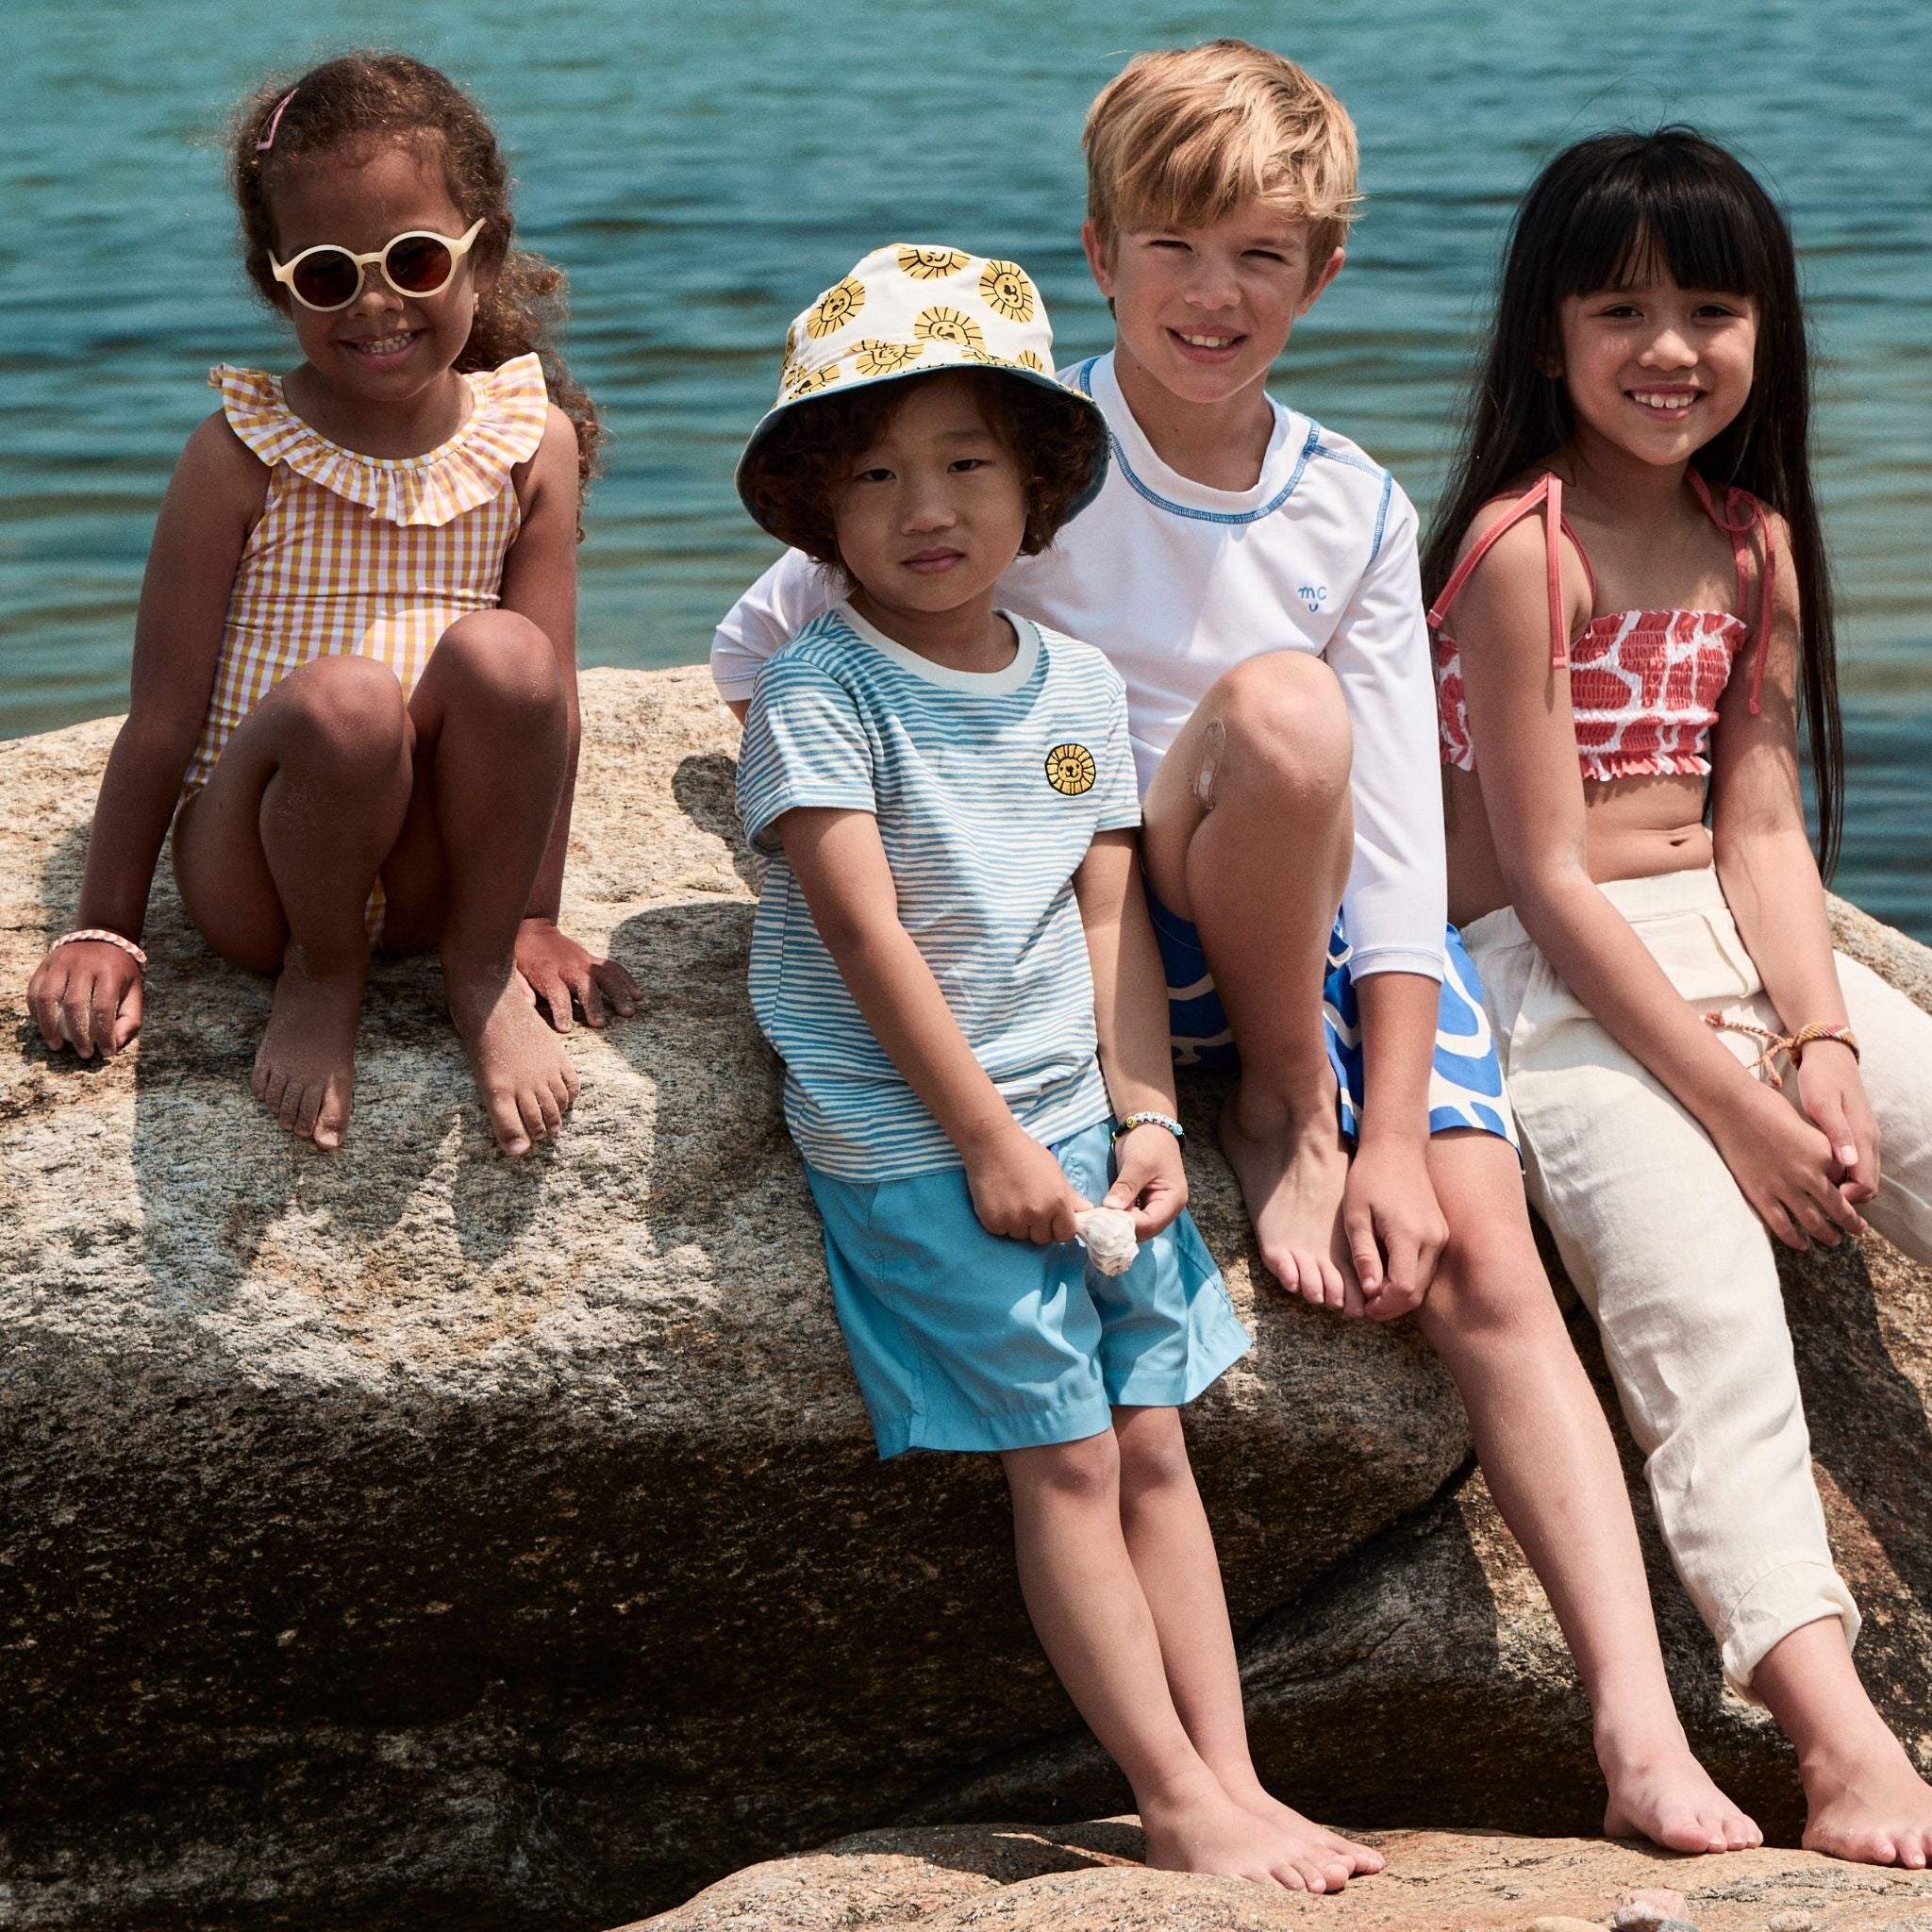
1632	613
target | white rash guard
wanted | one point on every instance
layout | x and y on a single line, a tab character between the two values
1177	583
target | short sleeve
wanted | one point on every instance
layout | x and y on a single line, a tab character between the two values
783	600
1119	808
1395	904
805	743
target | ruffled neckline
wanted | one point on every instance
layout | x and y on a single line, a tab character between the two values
509	408
1650	620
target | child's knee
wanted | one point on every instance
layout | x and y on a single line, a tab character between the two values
505	657
1494	1286
1280	717
1085	1472
1153	1453
342	713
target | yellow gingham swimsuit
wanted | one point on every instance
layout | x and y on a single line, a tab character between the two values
371	556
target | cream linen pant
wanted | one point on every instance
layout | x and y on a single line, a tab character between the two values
1673	1265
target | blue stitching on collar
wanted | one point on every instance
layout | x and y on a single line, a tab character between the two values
1083	378
1308	449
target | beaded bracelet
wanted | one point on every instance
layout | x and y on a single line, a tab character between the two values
106	939
1128	1123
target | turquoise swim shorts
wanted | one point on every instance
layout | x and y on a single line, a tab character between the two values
965	1339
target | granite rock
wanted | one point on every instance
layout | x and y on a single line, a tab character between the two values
409	1537
1086	1878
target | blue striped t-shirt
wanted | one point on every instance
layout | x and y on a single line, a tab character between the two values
989	788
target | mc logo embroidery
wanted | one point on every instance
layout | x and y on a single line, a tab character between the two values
1070	770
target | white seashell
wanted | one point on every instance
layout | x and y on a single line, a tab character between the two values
1109	1237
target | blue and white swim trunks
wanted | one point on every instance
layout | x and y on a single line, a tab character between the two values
1465	1081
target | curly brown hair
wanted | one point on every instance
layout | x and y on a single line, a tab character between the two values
368	94
791	477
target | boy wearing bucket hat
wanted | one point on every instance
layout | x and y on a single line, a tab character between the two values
952	958
1253	577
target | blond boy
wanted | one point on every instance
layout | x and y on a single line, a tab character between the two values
1253	578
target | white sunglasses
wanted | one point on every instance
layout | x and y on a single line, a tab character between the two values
418	264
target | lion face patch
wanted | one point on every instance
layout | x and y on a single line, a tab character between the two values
1071	770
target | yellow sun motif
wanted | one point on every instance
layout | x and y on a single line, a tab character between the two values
1005	285
835	308
796	382
930	264
1070	770
885	359
1027	359
949	325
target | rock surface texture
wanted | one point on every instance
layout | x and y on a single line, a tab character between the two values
1088	1878
414	1537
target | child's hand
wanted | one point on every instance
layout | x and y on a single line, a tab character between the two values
1832	1096
1151	1182
557	970
86	995
1393	1224
1020	1191
1786	1168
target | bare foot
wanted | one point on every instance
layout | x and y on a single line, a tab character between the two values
1292	1171
1339	1858
305	1069
1874	1808
523	1073
1203	1830
1668	1797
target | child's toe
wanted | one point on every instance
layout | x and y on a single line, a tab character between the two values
507	1123
331	1117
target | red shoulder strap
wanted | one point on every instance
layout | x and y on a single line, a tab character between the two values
1547	490
1738	532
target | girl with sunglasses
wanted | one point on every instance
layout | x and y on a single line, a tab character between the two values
354	685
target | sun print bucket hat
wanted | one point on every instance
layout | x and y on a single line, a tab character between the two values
909	310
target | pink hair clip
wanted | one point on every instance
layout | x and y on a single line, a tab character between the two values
274	121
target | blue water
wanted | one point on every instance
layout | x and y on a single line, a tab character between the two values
703	170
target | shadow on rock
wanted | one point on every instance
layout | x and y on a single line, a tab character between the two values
1861	1326
705	787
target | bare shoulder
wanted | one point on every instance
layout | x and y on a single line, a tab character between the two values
217	464
551	470
558	449
1519	548
1777	538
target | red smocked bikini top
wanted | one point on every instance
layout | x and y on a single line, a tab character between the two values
1643	684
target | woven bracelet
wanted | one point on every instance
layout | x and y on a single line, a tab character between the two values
1791	1045
106	939
1804	1036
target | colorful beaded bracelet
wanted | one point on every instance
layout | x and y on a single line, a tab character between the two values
1128	1123
106	939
